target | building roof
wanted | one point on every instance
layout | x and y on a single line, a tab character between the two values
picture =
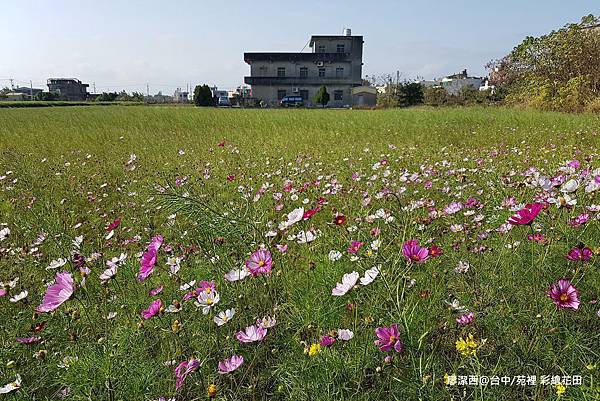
326	57
314	38
364	89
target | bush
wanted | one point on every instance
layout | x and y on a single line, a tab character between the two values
203	96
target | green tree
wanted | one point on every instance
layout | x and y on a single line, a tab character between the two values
45	96
203	96
322	97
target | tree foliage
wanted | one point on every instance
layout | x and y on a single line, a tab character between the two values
321	97
560	70
203	96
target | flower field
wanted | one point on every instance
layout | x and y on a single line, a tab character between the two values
175	253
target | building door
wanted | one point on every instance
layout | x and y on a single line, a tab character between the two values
361	100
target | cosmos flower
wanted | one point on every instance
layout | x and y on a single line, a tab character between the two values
57	293
183	370
231	364
207	299
435	251
339	220
345	334
580	220
580	254
354	246
414	253
10	387
260	262
237	274
370	275
348	282
224	317
334	255
20	296
564	295
327	341
251	334
466	319
28	340
153	309
149	257
526	215
266	322
388	338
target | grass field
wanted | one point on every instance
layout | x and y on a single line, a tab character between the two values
300	197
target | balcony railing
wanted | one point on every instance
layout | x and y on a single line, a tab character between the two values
299	81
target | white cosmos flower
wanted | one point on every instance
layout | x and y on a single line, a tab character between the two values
376	244
348	282
334	255
224	317
206	300
187	286
370	275
237	274
570	186
4	233
345	334
19	296
10	387
55	264
463	267
304	237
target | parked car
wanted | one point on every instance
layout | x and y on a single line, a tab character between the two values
223	101
295	101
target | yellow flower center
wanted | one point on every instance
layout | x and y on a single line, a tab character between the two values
564	297
392	339
261	263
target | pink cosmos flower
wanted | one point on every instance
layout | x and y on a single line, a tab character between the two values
389	337
148	260
251	334
465	319
113	225
231	364
260	262
580	254
156	291
564	295
413	252
355	246
327	341
183	370
152	310
28	340
57	293
526	215
3	292
580	220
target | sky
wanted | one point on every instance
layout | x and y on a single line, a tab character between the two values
128	45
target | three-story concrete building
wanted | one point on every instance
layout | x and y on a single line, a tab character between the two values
335	61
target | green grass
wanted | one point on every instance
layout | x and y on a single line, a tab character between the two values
69	178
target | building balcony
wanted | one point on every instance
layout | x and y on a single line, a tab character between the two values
298	57
300	81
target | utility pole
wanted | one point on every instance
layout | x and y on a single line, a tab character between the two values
148	90
94	88
12	86
31	89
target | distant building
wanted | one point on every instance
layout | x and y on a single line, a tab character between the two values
454	83
217	93
365	96
180	96
68	88
335	61
15	97
27	92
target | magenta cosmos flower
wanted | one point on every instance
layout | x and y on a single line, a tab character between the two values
526	215
389	337
251	334
580	254
231	364
57	293
183	370
327	341
465	319
152	310
413	252
149	257
260	262
564	295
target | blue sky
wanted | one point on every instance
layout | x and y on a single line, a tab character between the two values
126	44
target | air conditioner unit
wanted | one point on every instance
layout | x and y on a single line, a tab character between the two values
319	64
295	90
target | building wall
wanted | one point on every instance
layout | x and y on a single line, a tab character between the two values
270	93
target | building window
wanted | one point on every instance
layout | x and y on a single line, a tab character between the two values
281	71
338	95
321	72
304	94
339	72
303	72
281	94
341	49
321	49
